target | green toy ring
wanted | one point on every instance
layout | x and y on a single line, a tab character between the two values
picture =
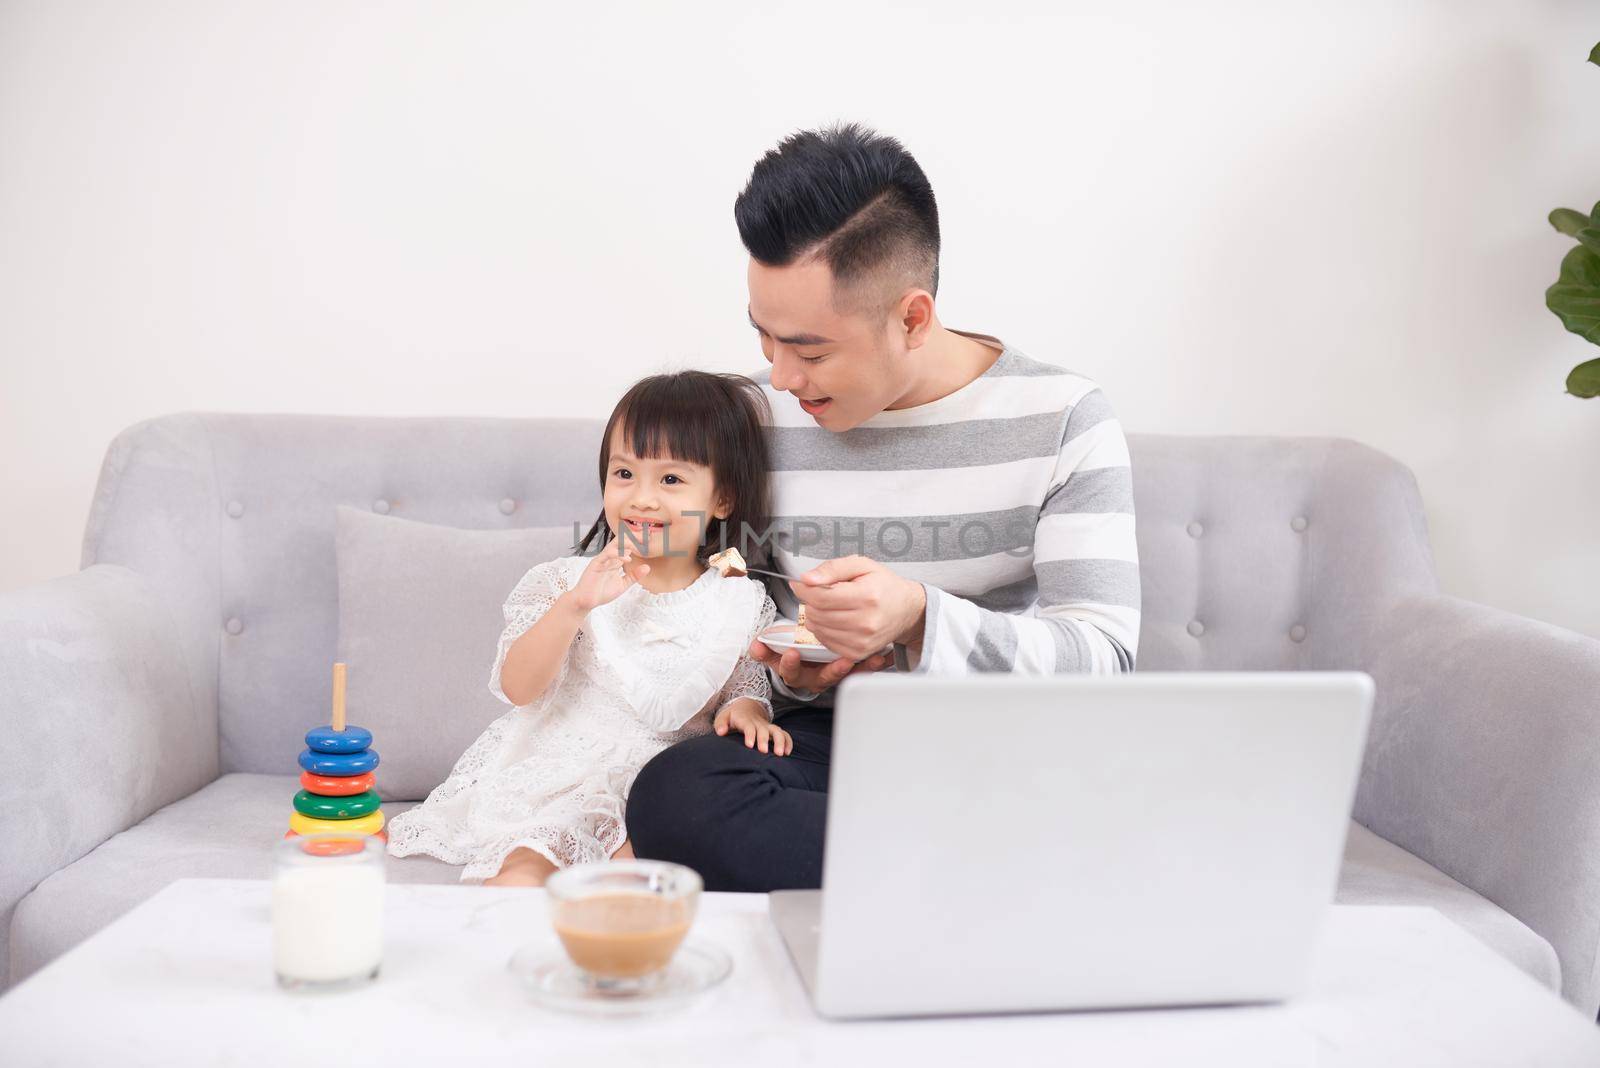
320	807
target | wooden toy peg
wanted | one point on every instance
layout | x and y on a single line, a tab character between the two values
338	696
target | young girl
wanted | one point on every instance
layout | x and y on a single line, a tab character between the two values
609	659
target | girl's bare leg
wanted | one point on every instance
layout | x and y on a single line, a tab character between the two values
624	851
522	867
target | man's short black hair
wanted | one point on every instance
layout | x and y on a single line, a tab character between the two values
853	197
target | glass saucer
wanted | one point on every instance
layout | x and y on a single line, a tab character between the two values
549	975
780	639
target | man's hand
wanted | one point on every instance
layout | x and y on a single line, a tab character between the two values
750	718
798	675
856	606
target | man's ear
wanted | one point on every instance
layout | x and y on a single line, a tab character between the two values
915	315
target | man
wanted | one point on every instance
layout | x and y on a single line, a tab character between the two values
935	491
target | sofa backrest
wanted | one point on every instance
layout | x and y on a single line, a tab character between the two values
1256	553
1270	553
232	517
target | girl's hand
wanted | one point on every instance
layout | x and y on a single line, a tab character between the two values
747	716
605	579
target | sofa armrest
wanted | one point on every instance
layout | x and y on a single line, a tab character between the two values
1484	760
99	724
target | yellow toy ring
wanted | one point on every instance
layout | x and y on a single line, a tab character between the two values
371	823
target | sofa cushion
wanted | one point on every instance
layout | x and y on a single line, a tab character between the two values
223	831
1378	872
419	619
226	831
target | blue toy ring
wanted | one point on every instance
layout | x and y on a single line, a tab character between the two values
328	740
339	763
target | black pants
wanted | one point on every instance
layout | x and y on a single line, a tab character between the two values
745	820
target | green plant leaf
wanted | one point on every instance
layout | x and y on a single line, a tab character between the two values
1584	381
1580	267
1575	298
1590	237
1570	222
1594	55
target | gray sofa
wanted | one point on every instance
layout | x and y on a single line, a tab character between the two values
153	702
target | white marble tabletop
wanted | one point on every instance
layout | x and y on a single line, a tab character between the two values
186	978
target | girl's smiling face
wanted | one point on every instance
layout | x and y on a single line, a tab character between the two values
658	506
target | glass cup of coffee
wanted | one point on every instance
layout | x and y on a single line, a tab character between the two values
621	921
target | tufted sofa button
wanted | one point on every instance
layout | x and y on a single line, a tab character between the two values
1195	529
234	625
507	506
236	509
1196	628
380	506
1297	633
1298	523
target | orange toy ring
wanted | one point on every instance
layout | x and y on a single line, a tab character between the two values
337	785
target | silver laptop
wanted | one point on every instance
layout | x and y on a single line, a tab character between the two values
1006	844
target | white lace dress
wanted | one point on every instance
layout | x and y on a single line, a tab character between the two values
645	671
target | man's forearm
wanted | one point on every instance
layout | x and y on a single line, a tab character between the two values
962	638
917	613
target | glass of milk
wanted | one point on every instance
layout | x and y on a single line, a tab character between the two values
327	910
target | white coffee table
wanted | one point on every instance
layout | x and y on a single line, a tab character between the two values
186	978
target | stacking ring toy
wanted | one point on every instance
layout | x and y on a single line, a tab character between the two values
371	823
328	740
337	785
338	795
336	808
339	763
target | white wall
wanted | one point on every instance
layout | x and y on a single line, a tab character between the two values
1272	218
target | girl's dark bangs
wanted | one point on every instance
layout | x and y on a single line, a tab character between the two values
659	423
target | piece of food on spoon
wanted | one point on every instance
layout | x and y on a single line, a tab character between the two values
729	563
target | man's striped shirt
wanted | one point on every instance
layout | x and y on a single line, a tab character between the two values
1010	500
